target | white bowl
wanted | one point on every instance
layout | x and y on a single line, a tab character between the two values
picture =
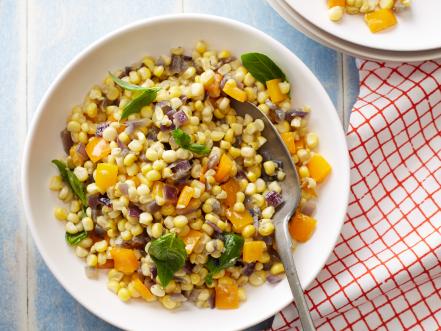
125	46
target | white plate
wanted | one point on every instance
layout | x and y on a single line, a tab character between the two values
125	46
417	29
298	22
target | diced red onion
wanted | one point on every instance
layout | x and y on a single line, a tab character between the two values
152	134
279	115
170	193
153	272
248	269
91	272
188	267
180	118
295	112
134	211
183	98
270	105
170	113
211	299
274	279
165	106
123	147
104	200
273	198
99	231
194	294
100	127
66	140
214	226
81	149
135	124
152	207
309	207
180	169
213	158
223	81
177	64
241	174
123	188
163	127
92	201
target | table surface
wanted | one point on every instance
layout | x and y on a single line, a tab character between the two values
38	38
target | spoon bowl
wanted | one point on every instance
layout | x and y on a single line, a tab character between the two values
291	195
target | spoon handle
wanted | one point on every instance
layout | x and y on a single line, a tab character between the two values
284	245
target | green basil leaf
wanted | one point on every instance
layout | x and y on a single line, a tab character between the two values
62	169
72	180
127	86
233	249
199	149
261	67
145	98
181	138
75	239
169	255
184	140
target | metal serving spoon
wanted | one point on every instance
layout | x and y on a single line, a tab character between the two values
291	194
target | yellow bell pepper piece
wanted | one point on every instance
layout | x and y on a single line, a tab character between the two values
253	251
233	91
125	260
106	175
318	168
97	148
239	220
274	90
191	239
380	19
224	168
143	290
185	197
289	140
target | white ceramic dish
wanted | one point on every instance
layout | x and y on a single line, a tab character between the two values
414	31
327	39
125	46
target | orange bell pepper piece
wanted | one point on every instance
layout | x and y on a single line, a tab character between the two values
224	168
301	227
191	239
288	139
239	220
227	295
318	168
253	251
125	260
231	187
143	290
380	19
97	148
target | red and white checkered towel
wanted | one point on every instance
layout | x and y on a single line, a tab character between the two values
385	272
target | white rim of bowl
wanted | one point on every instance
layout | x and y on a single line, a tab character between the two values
334	42
106	38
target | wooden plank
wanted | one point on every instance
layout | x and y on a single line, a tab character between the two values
58	30
323	62
12	134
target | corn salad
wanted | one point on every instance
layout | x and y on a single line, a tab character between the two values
378	14
184	171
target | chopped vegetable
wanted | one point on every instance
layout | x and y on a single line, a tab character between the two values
72	180
239	220
231	187
253	251
125	260
106	175
233	91
184	140
289	140
227	295
169	255
318	168
274	90
185	197
75	239
224	168
97	148
273	198
143	290
380	19
301	227
191	239
333	3
261	67
233	248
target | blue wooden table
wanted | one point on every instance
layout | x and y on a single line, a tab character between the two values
37	39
